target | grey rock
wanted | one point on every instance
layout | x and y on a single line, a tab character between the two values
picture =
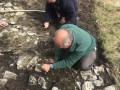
78	85
109	88
14	29
3	82
12	23
54	88
42	82
10	75
32	80
1	4
88	85
98	69
32	63
23	62
98	82
88	75
9	4
38	68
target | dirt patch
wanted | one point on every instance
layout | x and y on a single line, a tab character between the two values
31	25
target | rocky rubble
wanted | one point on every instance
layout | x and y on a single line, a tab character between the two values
29	42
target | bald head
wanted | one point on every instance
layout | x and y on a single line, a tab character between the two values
62	38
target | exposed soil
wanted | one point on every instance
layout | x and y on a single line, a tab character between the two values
64	78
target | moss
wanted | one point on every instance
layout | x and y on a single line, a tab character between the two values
108	20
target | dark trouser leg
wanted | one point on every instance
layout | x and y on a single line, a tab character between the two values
86	62
72	21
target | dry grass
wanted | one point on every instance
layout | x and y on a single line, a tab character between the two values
107	13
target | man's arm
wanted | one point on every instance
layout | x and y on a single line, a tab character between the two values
57	55
48	8
68	61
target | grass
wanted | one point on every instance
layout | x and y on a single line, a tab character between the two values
107	13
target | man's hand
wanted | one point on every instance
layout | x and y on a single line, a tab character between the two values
46	67
46	25
62	20
3	24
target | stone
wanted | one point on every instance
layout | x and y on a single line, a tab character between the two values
109	88
33	62
36	42
23	62
54	88
88	75
9	4
12	23
98	82
88	85
3	82
38	68
22	34
48	33
42	82
98	69
108	71
19	13
10	75
25	28
78	85
31	34
14	29
8	9
2	9
32	80
1	4
18	26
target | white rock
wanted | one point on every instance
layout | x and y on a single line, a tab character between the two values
1	35
78	85
32	80
12	23
2	4
109	88
88	75
31	34
36	42
33	62
88	85
3	82
54	88
10	75
14	29
98	82
9	4
2	9
25	28
47	33
22	34
23	62
19	13
9	9
108	71
28	39
98	69
18	27
38	68
42	82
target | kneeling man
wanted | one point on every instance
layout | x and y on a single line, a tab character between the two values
75	48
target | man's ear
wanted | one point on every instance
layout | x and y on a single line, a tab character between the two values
68	44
